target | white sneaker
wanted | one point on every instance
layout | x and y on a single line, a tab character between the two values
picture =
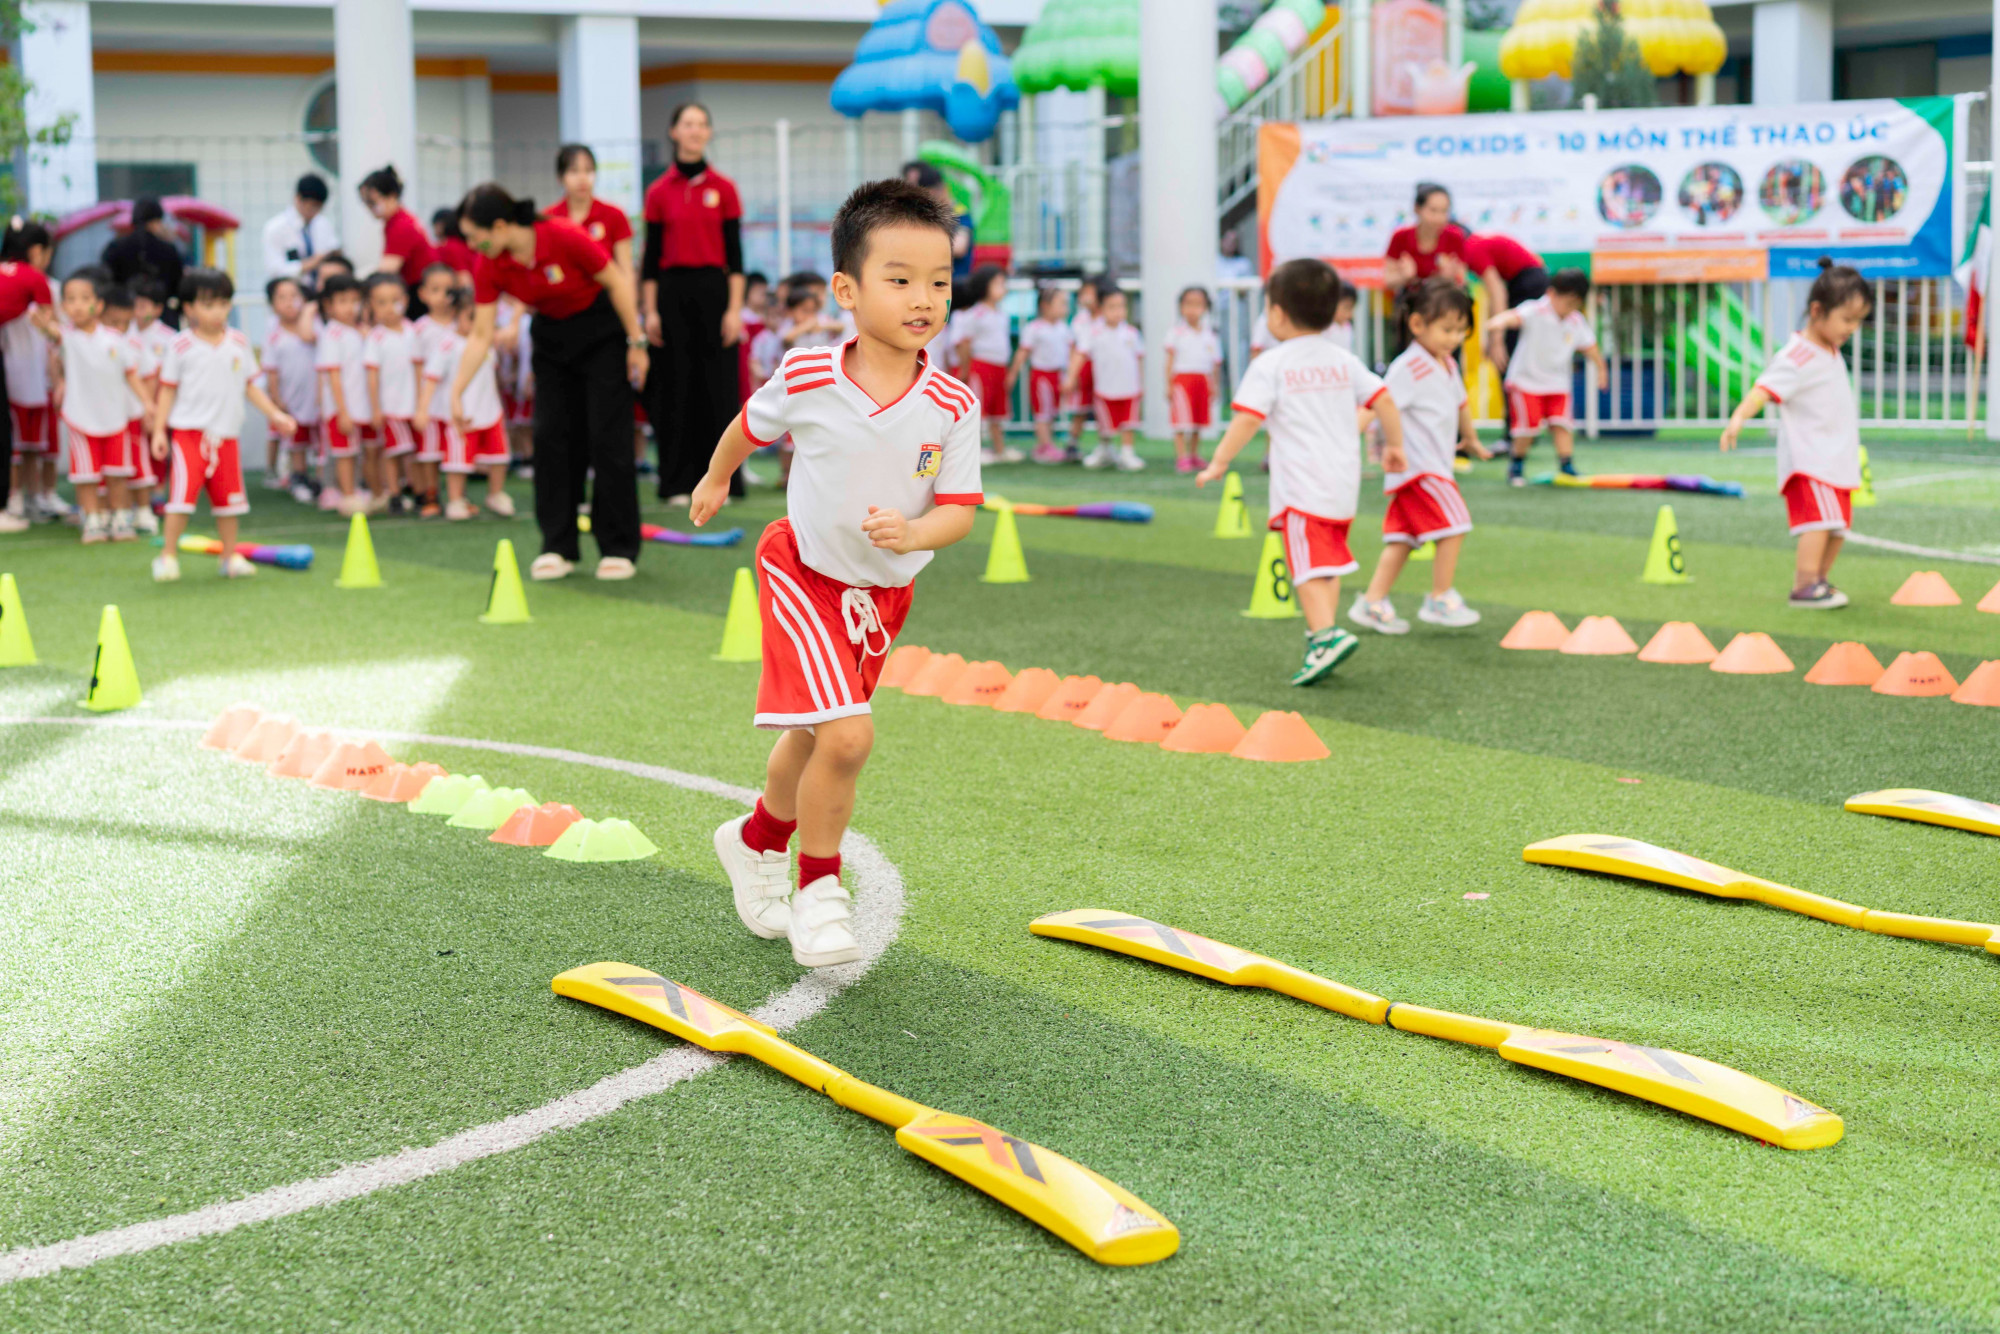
1380	616
459	510
1101	457
501	504
53	506
96	527
166	569
1009	454
17	505
121	526
760	881
273	480
616	567
822	925
237	566
330	501
1129	461
11	522
987	457
144	521
549	565
1447	609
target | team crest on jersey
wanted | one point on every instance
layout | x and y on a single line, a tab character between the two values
597	231
711	198
928	458
552	272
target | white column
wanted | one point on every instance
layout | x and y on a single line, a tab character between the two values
1791	52
783	165
1454	33
476	115
375	105
597	77
912	133
1177	151
54	58
1360	44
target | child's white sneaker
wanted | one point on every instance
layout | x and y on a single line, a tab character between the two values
166	569
17	505
145	521
1101	457
1447	609
760	881
501	504
236	565
822	925
1129	460
54	506
121	526
11	522
1009	454
459	509
1379	616
96	527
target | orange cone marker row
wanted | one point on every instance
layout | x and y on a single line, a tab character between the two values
1537	630
1598	636
1991	602
1916	675
1982	687
1146	719
1031	688
1845	664
1925	588
981	684
1680	642
1752	653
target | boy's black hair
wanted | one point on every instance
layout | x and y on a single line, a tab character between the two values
311	187
94	274
271	287
376	280
1570	282
1109	290
1307	290
1207	301
199	284
799	295
1044	292
1837	285
115	296
437	266
1349	294
148	288
1436	297
333	285
880	204
461	300
981	282
803	278
755	278
337	257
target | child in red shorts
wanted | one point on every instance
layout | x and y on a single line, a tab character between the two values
98	367
1110	358
885	471
1194	355
987	344
207	373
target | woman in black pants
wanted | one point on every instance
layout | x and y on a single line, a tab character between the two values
589	354
691	284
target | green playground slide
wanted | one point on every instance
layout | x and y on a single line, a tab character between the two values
1727	344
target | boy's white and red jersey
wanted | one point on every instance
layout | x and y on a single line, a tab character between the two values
158	337
851	453
1197	351
25	351
1819	433
1263	340
1049	343
342	351
1541	362
1428	391
94	388
1310	392
208	381
987	329
391	354
481	398
1082	324
148	366
294	380
1115	351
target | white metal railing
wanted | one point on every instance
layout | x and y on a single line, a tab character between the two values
1309	87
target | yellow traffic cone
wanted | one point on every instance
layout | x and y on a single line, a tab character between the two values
357	564
1864	495
16	648
1664	562
114	681
506	603
742	629
1428	551
1271	597
1004	562
1232	519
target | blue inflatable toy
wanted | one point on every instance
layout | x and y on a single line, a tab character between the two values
934	55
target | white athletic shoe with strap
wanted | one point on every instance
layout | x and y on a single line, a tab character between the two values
822	926
761	881
1447	608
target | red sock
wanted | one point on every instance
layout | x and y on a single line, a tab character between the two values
812	868
765	832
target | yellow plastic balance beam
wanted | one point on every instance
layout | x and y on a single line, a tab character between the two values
1915	803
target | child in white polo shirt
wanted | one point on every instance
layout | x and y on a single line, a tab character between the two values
99	367
1554	328
1113	354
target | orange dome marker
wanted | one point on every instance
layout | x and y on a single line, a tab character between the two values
1598	636
267	740
1991	602
536	826
1845	664
1678	642
1918	675
980	684
302	755
1752	653
1070	699
1205	729
1030	689
936	675
1146	719
1106	705
402	782
231	726
1982	687
1925	588
1282	738
351	765
903	664
1537	630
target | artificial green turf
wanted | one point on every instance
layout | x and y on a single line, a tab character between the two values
220	983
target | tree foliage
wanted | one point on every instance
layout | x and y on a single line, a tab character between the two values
17	141
1607	63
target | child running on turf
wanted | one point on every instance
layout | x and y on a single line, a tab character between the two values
986	340
886	472
1308	393
1111	357
209	370
97	368
1424	504
1193	354
1819	435
1553	330
1046	343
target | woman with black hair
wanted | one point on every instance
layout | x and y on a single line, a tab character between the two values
606	224
589	353
1414	251
406	250
692	285
450	248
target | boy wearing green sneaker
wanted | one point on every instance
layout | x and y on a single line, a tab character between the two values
1308	394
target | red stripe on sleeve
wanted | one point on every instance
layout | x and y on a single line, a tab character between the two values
1248	411
974	498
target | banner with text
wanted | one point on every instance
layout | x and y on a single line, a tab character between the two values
1667	194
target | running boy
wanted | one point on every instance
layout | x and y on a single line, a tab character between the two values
1819	435
1424	504
98	368
1109	360
1308	393
1193	354
1046	342
209	370
1553	330
887	472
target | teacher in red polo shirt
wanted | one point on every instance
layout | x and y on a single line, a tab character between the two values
606	224
1510	273
406	247
589	354
691	285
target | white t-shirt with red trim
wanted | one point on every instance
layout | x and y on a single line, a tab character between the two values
850	452
1115	352
208	381
1049	343
1543	360
294	380
25	351
1819	432
148	366
94	388
1310	392
391	354
1197	351
1263	340
481	398
341	349
1428	391
986	329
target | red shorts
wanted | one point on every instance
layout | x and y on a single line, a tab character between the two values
31	429
1315	548
990	383
336	443
139	453
399	435
1817	507
432	447
815	669
1528	413
219	474
1086	386
1188	397
481	447
1044	394
1424	509
1115	414
92	458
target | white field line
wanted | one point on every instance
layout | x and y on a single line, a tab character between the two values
878	919
1933	553
1929	478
